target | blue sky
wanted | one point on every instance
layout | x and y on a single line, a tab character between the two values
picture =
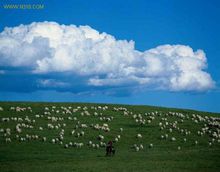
148	23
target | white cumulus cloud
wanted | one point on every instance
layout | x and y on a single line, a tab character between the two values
45	47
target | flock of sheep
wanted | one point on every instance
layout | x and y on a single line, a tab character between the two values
24	124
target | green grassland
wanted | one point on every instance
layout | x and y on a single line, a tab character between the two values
37	156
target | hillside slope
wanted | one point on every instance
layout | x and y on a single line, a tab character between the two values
73	136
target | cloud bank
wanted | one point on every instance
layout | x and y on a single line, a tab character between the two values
83	57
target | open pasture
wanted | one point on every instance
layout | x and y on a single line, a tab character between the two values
73	136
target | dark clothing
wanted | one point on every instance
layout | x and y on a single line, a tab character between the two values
110	149
110	143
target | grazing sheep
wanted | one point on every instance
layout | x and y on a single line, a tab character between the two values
50	126
196	142
82	133
93	145
141	146
8	131
53	141
173	139
66	146
18	128
46	109
78	145
7	140
97	146
102	144
23	132
37	116
151	145
72	132
77	135
90	143
100	137
44	139
139	136
70	144
137	148
83	126
22	139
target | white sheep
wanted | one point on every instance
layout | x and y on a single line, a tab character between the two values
90	143
70	144
170	130
53	141
173	139
72	132
100	137
7	140
44	139
93	145
139	136
137	148
82	133
141	146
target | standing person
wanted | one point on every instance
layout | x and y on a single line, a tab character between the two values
109	148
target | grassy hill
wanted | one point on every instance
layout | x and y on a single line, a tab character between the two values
66	137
